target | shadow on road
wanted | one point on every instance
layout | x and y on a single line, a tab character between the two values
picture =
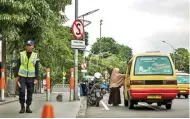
140	108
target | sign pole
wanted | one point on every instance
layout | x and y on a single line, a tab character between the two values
76	58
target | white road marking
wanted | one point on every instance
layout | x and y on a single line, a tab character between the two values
105	106
148	106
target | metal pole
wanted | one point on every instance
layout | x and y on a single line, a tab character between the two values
100	41
76	58
83	74
100	34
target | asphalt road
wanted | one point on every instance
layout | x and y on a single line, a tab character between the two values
180	109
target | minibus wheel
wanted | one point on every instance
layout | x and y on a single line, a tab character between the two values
168	106
186	96
159	104
125	101
178	96
130	104
150	103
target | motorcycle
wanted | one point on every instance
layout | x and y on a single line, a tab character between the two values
95	93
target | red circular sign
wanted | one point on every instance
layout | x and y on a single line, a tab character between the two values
83	65
78	29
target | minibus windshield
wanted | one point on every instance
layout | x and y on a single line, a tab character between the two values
183	79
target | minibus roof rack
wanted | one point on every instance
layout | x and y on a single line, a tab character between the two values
152	51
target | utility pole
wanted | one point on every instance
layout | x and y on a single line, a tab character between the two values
76	97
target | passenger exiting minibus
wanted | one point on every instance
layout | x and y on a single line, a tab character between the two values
151	78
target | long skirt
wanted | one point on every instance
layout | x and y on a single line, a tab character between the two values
114	97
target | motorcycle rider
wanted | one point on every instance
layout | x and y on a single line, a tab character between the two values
94	80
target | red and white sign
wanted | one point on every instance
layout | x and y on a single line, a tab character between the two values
78	29
84	66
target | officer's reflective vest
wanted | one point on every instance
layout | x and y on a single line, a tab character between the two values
27	67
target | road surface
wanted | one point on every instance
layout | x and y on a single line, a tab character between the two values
180	109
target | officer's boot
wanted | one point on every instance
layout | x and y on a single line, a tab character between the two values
28	109
22	110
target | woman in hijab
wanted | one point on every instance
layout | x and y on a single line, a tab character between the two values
117	80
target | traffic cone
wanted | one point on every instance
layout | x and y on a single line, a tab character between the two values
48	111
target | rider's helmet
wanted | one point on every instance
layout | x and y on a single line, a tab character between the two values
98	75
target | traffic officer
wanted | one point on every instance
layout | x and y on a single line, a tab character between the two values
27	71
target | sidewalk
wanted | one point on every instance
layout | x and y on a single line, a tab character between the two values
64	109
13	99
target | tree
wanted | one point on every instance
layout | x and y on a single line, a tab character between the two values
181	59
21	20
125	52
39	20
113	55
107	45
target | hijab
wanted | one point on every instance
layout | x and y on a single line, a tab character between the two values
117	79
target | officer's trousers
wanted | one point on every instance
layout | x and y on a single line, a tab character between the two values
26	83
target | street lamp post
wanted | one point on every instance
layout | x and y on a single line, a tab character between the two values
173	50
100	34
88	13
100	40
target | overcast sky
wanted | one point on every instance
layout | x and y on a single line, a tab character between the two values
139	24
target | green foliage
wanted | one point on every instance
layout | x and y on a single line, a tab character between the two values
181	59
113	55
107	45
125	52
40	20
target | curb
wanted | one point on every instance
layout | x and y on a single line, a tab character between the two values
7	102
83	107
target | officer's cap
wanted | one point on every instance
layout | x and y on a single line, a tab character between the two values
30	42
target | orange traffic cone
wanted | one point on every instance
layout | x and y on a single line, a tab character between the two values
48	111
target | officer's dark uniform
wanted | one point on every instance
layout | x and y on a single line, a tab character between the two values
26	83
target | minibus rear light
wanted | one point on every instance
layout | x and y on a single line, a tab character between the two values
137	82
171	82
